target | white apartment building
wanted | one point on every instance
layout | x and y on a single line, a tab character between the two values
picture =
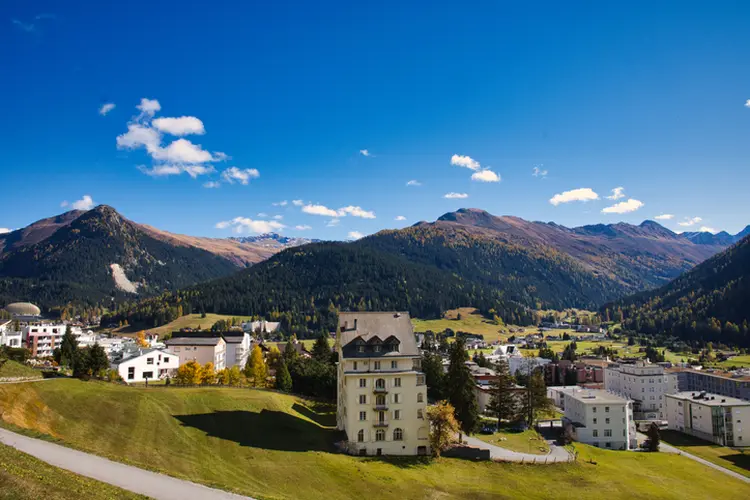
599	418
382	395
9	337
43	338
720	419
239	345
148	364
645	384
207	349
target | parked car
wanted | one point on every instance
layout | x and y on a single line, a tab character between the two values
488	429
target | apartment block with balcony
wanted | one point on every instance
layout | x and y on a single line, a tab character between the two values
645	384
599	418
382	395
42	338
720	419
731	384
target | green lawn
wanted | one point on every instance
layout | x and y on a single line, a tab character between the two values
270	445
528	441
24	477
14	369
729	458
189	321
471	322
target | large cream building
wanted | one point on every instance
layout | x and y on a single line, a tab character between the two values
645	384
382	394
712	417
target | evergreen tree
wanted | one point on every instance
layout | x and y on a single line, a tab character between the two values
290	352
321	350
432	367
654	437
283	378
98	360
81	363
460	387
68	348
503	403
536	400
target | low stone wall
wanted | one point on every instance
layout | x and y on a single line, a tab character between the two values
18	379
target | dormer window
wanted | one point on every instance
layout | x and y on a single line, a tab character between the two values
360	348
376	348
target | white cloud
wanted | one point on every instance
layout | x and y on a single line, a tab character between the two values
297	203
161	170
303	227
623	207
747	103
455	196
706	229
196	170
664	217
617	193
413	182
690	221
364	152
106	108
333	222
262	215
247	225
149	107
320	210
182	151
400	217
538	172
85	203
212	185
464	161
485	176
282	203
139	135
278	217
356	212
219	156
184	125
355	235
242	176
580	194
5	230
64	204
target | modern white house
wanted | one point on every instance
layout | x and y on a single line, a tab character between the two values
382	394
645	384
9	337
720	419
43	338
148	364
599	418
239	345
209	348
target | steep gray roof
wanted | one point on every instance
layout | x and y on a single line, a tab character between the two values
382	325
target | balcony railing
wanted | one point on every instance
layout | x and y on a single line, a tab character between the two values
380	423
382	407
379	390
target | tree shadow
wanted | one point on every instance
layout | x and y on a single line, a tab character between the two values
321	414
270	430
740	460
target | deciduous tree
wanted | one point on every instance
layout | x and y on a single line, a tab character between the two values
208	374
191	373
256	369
443	426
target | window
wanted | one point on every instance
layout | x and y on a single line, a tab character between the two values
380	400
420	397
362	399
363	415
420	379
398	434
363	452
376	348
149	361
148	374
176	349
380	435
363	382
166	359
623	432
607	432
606	420
593	409
361	435
397	382
380	383
397	398
361	348
608	444
606	409
595	433
131	372
397	415
419	414
594	420
355	365
394	365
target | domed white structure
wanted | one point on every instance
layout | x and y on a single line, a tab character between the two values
23	309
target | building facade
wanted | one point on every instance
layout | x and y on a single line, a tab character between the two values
208	349
9	337
713	417
599	418
382	394
42	338
148	364
733	385
645	384
239	345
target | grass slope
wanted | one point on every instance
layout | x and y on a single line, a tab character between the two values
528	441
471	321
193	321
24	477
729	458
270	445
14	369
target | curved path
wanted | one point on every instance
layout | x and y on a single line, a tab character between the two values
556	454
152	484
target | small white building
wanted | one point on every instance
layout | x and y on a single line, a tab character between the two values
262	326
203	349
599	418
555	393
9	337
148	364
720	419
645	384
239	346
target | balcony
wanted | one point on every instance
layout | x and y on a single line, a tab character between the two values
381	407
380	423
380	390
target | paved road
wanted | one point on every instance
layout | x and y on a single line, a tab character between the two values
665	448
129	478
556	454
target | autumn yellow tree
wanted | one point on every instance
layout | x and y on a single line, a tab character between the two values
223	376
140	339
208	375
235	376
272	357
191	373
443	426
256	369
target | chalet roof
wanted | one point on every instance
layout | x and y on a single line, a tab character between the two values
386	326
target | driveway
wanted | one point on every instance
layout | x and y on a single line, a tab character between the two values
556	454
129	478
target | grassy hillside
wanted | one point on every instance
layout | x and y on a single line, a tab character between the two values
23	477
270	445
14	369
732	459
471	321
188	321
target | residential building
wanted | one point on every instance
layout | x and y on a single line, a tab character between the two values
239	345
711	417
566	372
9	337
42	338
556	394
203	347
382	394
525	364
148	364
645	384
599	418
732	384
261	326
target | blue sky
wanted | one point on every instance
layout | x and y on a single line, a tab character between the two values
277	100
